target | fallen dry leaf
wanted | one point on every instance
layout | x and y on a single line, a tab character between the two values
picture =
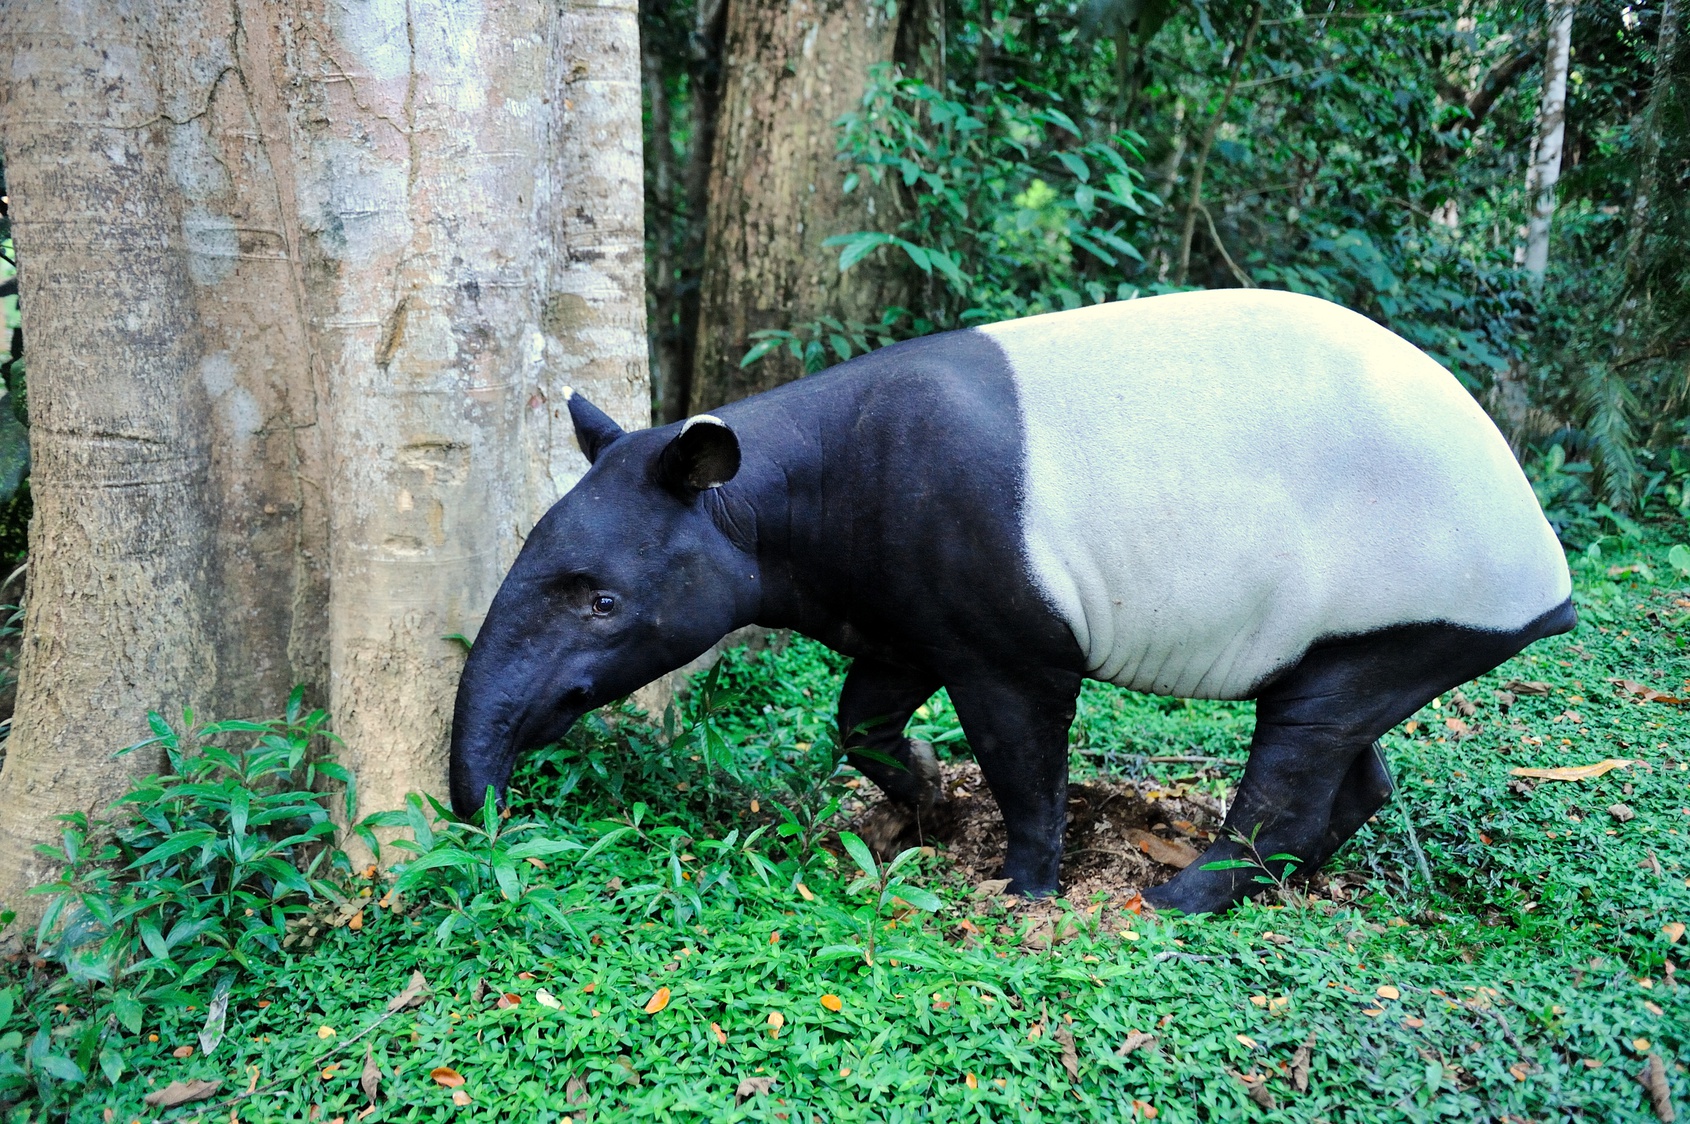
182	1092
1458	727
447	1076
1388	992
1575	772
971	1081
1526	687
1168	852
356	921
991	887
776	1021
508	1000
832	1002
1654	1082
1520	1070
1300	1065
721	1035
1646	693
804	892
1674	930
182	1052
1246	1041
1070	1057
1413	1023
415	992
1622	813
1255	1087
659	1000
1144	1109
370	1081
752	1086
460	1098
546	999
1136	1040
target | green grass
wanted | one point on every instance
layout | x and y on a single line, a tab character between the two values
1527	970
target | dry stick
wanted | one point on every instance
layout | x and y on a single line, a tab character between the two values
1208	142
1215	236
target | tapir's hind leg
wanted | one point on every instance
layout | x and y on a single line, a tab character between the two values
1364	790
874	705
1311	779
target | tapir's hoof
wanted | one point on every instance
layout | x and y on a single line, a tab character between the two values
1193	896
924	768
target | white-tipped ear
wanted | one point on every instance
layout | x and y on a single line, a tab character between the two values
704	454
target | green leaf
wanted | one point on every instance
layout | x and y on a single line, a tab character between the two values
1228	864
860	853
451	857
1678	557
186	841
761	348
1075	165
918	897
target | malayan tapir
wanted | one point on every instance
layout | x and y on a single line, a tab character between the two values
1233	494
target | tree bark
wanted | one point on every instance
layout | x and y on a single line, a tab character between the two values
304	284
117	619
777	186
1551	129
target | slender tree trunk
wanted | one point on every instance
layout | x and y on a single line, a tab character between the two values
1551	130
1194	193
1649	145
777	186
304	283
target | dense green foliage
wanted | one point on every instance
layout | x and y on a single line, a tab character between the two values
1374	153
1526	971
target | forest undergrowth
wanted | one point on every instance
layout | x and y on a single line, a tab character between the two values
669	927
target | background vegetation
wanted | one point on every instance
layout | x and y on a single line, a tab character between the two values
1374	153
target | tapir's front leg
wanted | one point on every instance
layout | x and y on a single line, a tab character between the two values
875	703
1017	724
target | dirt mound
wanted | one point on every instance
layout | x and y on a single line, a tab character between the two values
1122	835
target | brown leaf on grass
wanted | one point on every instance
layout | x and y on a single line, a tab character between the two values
721	1035
182	1092
575	1091
460	1098
1674	931
1462	704
1070	1057
1575	772
415	992
182	1052
1622	813
1654	1082
447	1076
1136	1040
1504	699
1458	727
991	887
752	1086
1300	1065
659	1000
1255	1087
508	1000
370	1082
1645	693
1526	687
1168	852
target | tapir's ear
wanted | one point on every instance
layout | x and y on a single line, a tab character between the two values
594	431
705	454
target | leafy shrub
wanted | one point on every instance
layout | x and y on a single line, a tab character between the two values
203	872
1010	210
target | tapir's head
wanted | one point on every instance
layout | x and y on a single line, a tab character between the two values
627	577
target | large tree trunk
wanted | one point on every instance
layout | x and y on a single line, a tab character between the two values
304	282
117	616
791	69
1551	129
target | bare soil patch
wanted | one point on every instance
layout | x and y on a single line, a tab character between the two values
1122	835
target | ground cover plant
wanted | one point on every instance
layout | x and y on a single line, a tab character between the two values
659	930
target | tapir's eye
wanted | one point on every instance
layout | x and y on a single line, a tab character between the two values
603	604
